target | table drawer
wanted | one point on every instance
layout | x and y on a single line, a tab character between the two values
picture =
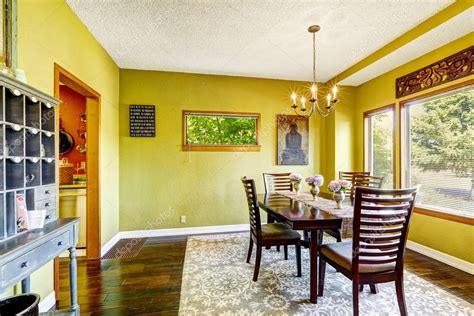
24	265
45	192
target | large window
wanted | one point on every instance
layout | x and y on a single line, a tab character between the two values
379	132
220	131
437	150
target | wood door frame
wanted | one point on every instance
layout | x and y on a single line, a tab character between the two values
93	105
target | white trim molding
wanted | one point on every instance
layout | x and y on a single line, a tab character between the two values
105	248
185	231
441	256
47	303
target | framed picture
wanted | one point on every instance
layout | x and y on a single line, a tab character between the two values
292	140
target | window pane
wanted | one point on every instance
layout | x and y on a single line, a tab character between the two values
220	130
441	149
381	146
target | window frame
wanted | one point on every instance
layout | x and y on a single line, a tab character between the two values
367	140
404	150
209	147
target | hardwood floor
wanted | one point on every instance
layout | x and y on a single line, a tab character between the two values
151	282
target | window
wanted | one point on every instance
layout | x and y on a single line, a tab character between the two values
437	150
379	128
220	131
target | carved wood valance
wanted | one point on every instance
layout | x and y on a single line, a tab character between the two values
453	67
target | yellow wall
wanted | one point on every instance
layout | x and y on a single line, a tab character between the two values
452	238
157	175
50	32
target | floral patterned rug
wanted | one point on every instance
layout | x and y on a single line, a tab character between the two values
218	281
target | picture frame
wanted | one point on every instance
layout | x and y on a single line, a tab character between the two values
292	140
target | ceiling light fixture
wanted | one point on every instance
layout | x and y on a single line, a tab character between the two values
331	98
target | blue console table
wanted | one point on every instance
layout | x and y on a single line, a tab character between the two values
26	252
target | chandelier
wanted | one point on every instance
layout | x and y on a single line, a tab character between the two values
331	98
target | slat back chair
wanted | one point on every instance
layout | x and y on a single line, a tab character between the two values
381	221
254	210
273	234
348	175
277	182
365	181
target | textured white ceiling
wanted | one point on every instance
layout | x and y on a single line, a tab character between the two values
253	38
460	25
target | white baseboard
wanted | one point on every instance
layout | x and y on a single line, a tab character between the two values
184	231
47	303
173	232
441	256
105	248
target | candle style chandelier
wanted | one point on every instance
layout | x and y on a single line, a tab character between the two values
331	98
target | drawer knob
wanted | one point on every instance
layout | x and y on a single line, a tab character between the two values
46	192
24	264
60	243
48	216
46	204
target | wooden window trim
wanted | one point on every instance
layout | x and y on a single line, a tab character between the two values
366	116
403	105
222	148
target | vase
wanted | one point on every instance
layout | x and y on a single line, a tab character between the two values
339	197
314	192
297	188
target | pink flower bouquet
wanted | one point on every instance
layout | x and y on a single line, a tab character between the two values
316	180
339	185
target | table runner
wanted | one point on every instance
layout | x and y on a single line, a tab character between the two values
328	206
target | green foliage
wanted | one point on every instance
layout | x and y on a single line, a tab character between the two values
442	136
382	143
221	130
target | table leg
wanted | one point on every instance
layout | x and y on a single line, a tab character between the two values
73	277
314	267
25	285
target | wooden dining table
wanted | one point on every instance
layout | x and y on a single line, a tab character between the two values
303	215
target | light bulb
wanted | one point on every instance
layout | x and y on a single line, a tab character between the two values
334	92
293	97
329	99
303	102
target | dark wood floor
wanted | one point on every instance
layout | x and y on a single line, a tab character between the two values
151	282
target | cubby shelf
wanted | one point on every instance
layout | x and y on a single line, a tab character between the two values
27	155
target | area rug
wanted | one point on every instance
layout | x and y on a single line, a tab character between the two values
217	281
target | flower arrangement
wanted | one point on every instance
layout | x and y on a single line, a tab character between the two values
339	186
316	180
296	178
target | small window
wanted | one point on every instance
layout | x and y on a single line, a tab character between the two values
220	131
437	150
379	143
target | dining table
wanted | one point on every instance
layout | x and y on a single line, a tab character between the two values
303	212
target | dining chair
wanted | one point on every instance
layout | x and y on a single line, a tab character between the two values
363	180
274	182
274	234
348	175
376	253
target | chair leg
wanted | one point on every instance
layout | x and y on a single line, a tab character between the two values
322	274
306	238
278	248
361	287
401	295
320	237
374	288
257	263
355	297
285	248
298	258
338	235
250	249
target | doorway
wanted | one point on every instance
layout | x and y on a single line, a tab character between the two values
83	155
